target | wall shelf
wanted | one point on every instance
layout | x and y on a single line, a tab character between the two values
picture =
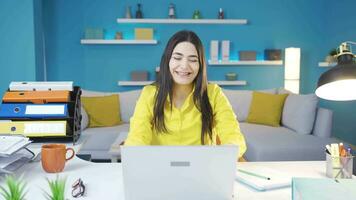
142	83
134	83
183	21
92	41
326	64
254	62
229	82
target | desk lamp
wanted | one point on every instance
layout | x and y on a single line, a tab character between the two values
339	83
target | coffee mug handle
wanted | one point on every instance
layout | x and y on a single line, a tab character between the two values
70	149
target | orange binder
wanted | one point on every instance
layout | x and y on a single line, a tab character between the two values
38	97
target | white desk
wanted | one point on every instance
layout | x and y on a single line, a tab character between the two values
104	180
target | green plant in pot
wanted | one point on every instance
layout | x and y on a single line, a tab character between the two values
57	188
14	189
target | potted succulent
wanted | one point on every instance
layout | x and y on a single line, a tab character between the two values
15	189
331	58
57	188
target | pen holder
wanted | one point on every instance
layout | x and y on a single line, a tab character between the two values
338	166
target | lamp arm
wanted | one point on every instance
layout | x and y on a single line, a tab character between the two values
350	42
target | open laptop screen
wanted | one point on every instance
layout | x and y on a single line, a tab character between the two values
179	172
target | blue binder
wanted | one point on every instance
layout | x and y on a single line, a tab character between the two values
33	111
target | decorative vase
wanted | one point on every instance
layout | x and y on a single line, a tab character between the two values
139	14
196	14
128	12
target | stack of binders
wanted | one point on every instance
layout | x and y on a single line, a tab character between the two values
42	110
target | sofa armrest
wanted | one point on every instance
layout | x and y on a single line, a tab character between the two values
323	123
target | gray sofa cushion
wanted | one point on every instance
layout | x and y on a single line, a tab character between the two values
127	104
299	112
266	143
240	101
323	123
99	140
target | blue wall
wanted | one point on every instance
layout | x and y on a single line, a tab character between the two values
340	26
311	25
17	46
277	25
39	40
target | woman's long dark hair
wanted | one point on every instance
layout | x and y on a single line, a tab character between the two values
165	86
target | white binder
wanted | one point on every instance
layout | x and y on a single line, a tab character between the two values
41	86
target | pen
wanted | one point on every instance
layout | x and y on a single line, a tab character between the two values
254	174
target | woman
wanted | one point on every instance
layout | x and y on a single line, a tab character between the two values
181	108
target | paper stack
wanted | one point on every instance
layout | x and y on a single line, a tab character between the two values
12	152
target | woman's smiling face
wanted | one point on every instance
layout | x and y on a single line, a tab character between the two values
184	63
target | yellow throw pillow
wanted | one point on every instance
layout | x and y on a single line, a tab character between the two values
102	110
266	108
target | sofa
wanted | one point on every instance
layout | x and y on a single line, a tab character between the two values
305	128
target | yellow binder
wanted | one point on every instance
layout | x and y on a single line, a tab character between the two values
34	128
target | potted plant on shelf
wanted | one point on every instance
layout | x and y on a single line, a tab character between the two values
331	58
57	188
15	189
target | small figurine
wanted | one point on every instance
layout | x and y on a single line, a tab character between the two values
221	14
128	12
196	14
139	14
118	35
171	11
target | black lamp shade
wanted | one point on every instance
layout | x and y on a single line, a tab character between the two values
339	83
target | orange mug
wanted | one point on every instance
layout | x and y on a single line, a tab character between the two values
54	157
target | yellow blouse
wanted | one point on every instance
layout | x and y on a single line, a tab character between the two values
184	124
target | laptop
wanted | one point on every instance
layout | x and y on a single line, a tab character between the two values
179	172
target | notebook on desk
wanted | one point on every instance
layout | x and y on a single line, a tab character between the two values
262	178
